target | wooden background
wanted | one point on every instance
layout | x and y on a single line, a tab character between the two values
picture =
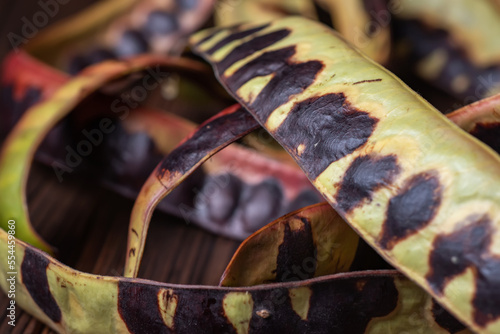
89	224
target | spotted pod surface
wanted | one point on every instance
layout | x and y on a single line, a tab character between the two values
19	147
221	130
139	140
458	53
235	193
416	188
71	301
312	242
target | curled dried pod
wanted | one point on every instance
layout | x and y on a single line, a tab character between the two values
382	156
117	29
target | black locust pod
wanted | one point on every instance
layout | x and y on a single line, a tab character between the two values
419	190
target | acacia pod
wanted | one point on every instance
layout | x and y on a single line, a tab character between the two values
234	193
127	155
24	82
116	29
213	135
481	119
311	242
19	147
233	13
471	25
364	23
457	53
391	165
70	301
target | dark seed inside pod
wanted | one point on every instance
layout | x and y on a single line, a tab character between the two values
261	205
305	198
98	55
131	43
77	63
160	23
121	157
187	4
488	133
219	197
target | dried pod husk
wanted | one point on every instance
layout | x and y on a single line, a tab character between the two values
70	301
20	146
314	242
229	13
233	194
220	197
390	164
24	82
457	52
116	29
311	242
364	23
481	119
212	136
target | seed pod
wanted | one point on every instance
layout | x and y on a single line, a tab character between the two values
457	53
20	146
365	23
232	13
212	136
312	242
117	29
482	120
218	199
383	157
70	301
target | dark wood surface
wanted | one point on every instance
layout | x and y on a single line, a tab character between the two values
88	224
